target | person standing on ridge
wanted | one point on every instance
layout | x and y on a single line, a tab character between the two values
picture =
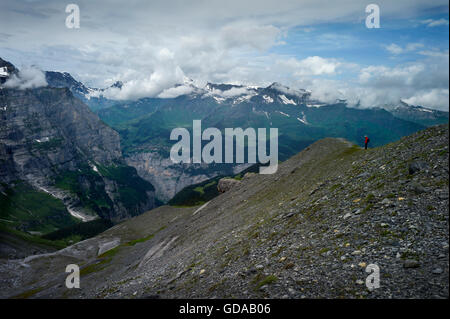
366	141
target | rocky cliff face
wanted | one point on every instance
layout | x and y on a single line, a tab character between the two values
52	141
169	178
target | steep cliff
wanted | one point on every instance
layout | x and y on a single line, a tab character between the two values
52	145
169	178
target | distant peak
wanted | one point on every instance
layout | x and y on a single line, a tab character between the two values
117	84
221	86
278	86
7	68
281	88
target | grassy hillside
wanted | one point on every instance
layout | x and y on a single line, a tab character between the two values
131	188
24	208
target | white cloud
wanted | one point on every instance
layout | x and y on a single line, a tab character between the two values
152	80
434	23
435	97
413	46
259	37
423	82
27	78
313	65
152	47
410	47
176	91
234	91
435	53
394	48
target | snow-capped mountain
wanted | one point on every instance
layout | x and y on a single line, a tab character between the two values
234	94
417	114
91	96
64	79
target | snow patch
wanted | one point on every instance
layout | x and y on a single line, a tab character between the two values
79	215
4	71
284	114
243	98
268	99
314	105
425	110
219	99
73	212
285	100
303	119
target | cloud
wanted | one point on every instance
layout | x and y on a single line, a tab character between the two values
434	23
410	47
28	78
176	91
394	48
423	82
156	45
429	73
153	79
234	91
259	37
436	97
434	53
313	65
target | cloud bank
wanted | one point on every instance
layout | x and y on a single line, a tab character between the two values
27	78
153	47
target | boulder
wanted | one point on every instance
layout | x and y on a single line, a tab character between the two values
417	166
248	175
225	184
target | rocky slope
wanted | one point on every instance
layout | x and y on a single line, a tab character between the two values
308	231
52	145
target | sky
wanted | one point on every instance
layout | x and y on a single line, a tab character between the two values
322	46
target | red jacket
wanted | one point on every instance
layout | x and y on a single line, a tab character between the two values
367	140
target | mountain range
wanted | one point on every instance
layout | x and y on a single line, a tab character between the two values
91	156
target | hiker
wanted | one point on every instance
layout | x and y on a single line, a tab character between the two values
366	141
